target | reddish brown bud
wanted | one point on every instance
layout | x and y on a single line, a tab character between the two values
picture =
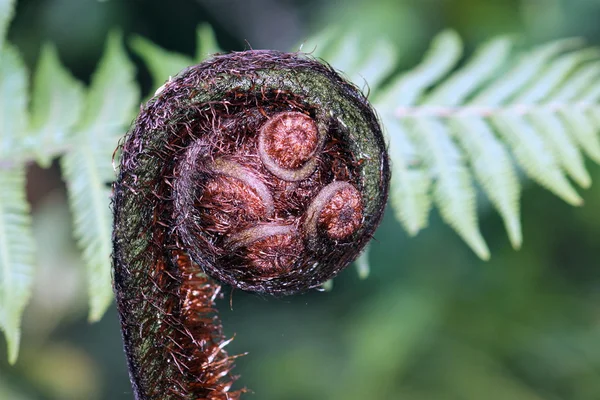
275	255
342	214
287	144
337	211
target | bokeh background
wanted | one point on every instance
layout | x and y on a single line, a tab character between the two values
431	322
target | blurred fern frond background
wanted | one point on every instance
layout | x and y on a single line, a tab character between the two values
493	128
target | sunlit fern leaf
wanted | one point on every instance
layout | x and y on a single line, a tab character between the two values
56	106
344	54
458	86
534	155
411	181
405	90
547	122
563	146
13	103
530	149
541	107
362	263
453	191
590	101
162	64
526	68
364	63
378	61
206	42
109	105
567	100
16	240
319	44
497	178
7	8
492	166
16	255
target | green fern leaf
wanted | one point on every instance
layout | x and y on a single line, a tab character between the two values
377	63
493	168
13	103
582	128
541	108
457	87
532	152
363	63
55	107
442	56
562	145
320	44
489	160
453	191
410	182
162	63
548	124
362	263
535	155
16	255
16	240
523	72
206	42
110	103
7	8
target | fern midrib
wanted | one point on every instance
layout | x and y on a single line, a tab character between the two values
434	111
7	282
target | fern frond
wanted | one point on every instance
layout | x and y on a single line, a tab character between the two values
477	141
441	58
161	63
206	42
582	128
17	255
364	63
498	179
411	181
56	106
539	107
13	104
453	191
109	107
7	8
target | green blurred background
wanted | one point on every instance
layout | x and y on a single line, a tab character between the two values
431	322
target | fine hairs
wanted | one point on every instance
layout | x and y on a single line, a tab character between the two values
262	170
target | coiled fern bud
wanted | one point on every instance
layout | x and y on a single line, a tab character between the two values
262	170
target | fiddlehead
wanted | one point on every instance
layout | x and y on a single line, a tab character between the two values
263	170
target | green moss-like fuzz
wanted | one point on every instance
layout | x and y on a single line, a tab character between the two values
180	222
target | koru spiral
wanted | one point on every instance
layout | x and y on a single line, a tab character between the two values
262	170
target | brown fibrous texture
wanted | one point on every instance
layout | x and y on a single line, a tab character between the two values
199	203
291	138
342	215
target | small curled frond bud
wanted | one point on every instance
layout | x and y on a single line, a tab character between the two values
262	170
